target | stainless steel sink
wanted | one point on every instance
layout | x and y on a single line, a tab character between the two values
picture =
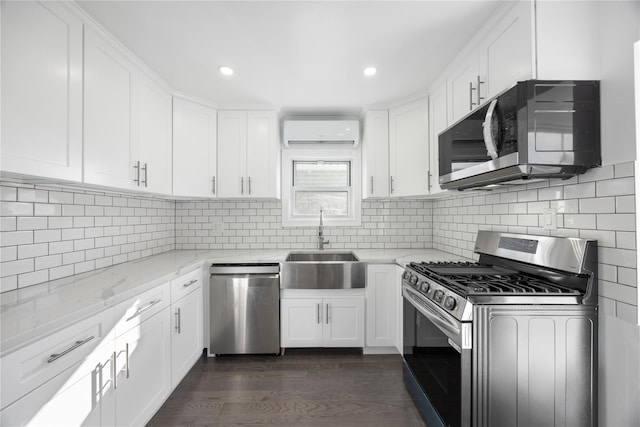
321	256
322	270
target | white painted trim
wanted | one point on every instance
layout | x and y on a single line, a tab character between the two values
636	48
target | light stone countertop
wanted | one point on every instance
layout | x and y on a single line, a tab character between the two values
30	313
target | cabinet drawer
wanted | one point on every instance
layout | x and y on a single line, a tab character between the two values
136	310
185	284
31	366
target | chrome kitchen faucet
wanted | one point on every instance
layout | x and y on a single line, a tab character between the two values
321	239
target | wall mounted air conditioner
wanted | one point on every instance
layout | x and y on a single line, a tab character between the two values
306	133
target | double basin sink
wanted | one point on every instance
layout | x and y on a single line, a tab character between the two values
322	270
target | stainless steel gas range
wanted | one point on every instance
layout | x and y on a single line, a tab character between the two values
508	341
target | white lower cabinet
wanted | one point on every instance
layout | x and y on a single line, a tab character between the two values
188	321
65	379
382	298
113	369
143	379
317	321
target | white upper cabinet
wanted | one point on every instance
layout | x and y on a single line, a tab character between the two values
194	149
498	57
108	80
375	154
409	149
127	122
41	90
263	154
248	154
152	135
505	52
438	121
464	83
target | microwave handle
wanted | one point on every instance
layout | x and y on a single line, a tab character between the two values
486	131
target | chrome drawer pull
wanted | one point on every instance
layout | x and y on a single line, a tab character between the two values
77	344
186	285
145	308
177	314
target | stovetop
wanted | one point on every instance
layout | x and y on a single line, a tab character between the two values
455	287
468	278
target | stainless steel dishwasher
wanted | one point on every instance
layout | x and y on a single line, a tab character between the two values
244	310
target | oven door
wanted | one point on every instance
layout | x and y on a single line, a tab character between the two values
437	362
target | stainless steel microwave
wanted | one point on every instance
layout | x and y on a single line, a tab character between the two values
534	130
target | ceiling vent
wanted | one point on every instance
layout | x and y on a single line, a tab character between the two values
320	133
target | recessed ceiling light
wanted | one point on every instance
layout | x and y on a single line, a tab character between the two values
370	71
226	70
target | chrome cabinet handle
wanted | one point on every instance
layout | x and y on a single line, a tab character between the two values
56	356
241	185
429	180
471	89
126	369
318	307
480	98
372	184
177	314
137	168
391	185
213	185
114	371
249	184
327	317
146	171
186	285
145	308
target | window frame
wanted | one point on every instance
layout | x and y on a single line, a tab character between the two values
311	154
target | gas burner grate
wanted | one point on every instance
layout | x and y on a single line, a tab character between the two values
469	278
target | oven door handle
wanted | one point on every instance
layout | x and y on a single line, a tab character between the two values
450	327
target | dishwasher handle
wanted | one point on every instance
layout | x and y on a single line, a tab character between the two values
244	269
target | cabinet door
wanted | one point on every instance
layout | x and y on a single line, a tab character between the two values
186	335
381	305
409	149
375	153
263	155
152	135
437	123
301	322
463	84
144	370
41	90
232	153
505	52
107	115
344	322
80	396
397	285
194	150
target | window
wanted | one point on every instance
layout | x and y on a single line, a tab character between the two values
316	178
321	184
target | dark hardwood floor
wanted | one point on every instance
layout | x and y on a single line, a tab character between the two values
312	387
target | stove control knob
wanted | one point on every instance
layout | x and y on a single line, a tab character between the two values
406	275
413	280
450	303
424	287
438	296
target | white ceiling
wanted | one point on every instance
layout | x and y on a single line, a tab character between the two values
298	56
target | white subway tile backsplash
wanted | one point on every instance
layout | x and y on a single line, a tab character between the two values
13	238
66	232
615	187
16	209
580	191
618	222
